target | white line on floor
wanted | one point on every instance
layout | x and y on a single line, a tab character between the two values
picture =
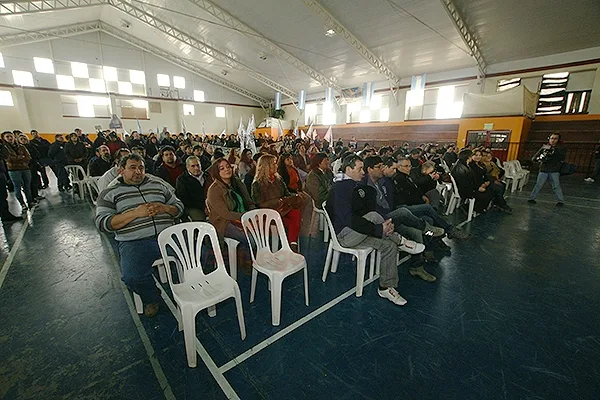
13	251
265	343
158	371
208	361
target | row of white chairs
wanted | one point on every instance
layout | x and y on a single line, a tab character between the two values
515	175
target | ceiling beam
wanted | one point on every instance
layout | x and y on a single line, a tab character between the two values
465	33
196	43
346	34
29	7
23	38
180	62
231	21
26	37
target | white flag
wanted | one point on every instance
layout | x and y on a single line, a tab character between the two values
203	131
240	130
309	133
183	125
329	137
250	129
302	135
296	128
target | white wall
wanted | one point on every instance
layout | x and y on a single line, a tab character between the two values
42	110
98	49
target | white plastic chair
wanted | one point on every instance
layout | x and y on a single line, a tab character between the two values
275	265
232	245
525	172
456	200
322	222
361	253
197	290
162	274
517	179
80	178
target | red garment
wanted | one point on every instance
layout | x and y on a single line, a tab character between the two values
174	172
291	222
294	179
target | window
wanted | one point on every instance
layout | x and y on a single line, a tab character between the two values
505	84
22	78
384	115
365	116
85	106
43	65
446	106
198	95
310	112
1	61
97	85
353	111
577	102
179	82
553	93
220	112
163	80
79	70
137	77
375	103
65	82
110	74
6	98
133	108
329	117
188	109
125	88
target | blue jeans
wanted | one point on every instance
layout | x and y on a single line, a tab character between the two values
136	258
426	210
554	181
21	180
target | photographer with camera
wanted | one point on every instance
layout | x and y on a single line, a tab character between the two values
551	157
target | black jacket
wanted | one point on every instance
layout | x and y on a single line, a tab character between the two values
450	159
57	153
75	150
348	201
189	190
551	159
406	191
98	166
42	146
424	182
480	172
465	179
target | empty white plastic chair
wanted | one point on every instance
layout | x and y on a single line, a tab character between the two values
275	265
517	179
524	172
197	290
80	178
232	245
322	223
361	253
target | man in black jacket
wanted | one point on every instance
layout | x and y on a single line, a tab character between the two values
551	157
101	162
42	146
190	189
56	153
351	207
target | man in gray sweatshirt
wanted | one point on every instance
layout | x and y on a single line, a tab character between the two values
136	208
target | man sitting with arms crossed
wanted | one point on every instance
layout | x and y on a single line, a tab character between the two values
190	189
351	206
137	208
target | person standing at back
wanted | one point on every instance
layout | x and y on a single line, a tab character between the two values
550	156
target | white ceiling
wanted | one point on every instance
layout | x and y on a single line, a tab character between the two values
410	36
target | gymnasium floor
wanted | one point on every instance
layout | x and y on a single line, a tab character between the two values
514	315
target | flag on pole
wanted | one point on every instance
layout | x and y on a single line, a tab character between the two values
329	136
139	126
183	124
203	131
241	135
224	133
309	133
250	129
295	132
279	130
302	134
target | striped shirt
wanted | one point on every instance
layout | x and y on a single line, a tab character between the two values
120	197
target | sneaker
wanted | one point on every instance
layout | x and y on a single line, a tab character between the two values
459	234
392	295
532	201
589	180
433	230
411	247
150	310
421	273
560	204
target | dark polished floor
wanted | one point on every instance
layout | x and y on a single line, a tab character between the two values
514	314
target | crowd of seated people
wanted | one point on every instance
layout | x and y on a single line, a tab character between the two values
384	196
